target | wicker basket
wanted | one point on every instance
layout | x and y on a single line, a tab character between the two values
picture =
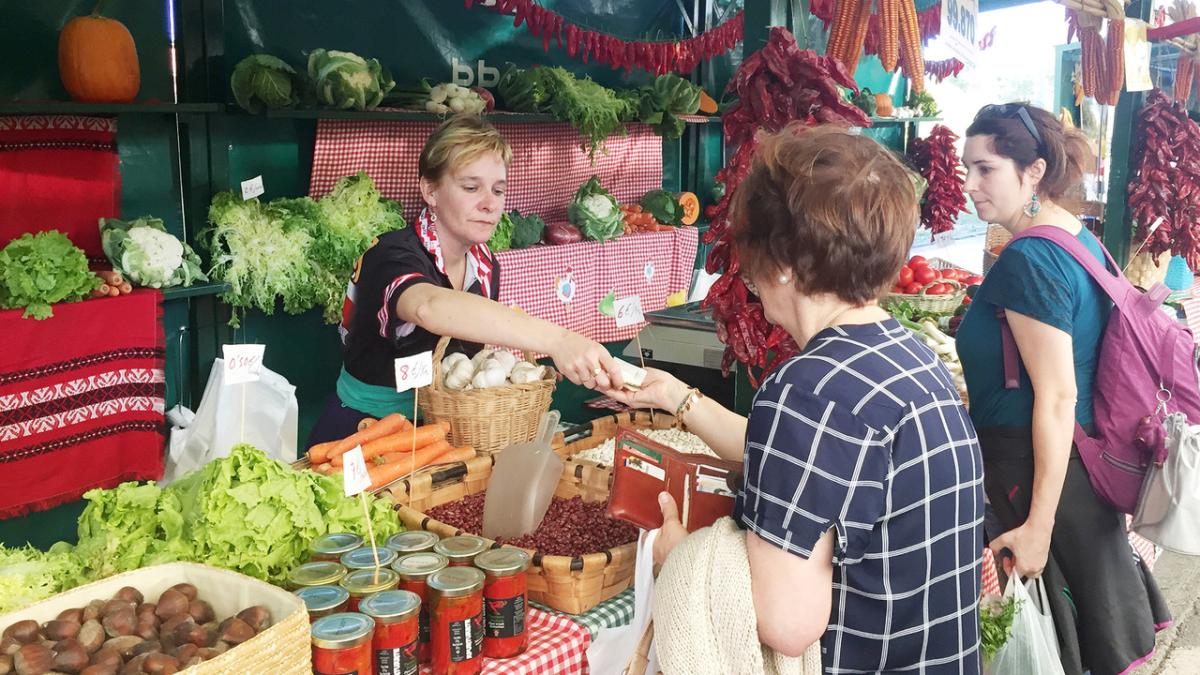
1143	271
930	303
996	236
488	420
283	649
989	259
571	585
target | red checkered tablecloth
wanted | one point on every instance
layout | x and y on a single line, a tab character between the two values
565	284
548	165
556	645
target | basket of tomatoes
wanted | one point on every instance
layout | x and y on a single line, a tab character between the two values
931	285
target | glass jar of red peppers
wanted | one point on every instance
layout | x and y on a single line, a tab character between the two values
456	621
361	583
322	573
412	541
414	571
323	600
331	546
461	550
341	644
396	628
365	558
505	602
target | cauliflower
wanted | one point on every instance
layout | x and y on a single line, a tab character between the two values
145	252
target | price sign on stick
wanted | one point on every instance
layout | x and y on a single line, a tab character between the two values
243	363
414	372
252	188
629	311
355	478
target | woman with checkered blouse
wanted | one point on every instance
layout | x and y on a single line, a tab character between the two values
862	495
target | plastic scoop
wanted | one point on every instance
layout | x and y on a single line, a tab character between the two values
522	484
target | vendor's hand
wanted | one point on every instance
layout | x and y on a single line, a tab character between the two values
586	362
1030	546
672	531
660	390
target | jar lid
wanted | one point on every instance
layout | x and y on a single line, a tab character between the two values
366	582
413	541
335	543
342	630
454	582
417	566
462	547
323	598
503	561
321	573
364	558
390	606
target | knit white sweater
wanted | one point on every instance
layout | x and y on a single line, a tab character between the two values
704	620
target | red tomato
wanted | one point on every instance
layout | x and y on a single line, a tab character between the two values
972	280
913	288
938	289
917	261
906	275
966	300
897	289
953	273
923	275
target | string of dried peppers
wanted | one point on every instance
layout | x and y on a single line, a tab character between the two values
777	84
1166	183
937	160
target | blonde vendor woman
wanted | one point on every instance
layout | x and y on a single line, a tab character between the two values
437	277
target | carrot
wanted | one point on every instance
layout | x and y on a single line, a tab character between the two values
323	469
101	291
388	472
401	441
390	424
404	455
112	278
366	422
125	288
113	291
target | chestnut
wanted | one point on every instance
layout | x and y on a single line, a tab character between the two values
168	627
184	653
60	630
161	664
33	659
92	610
146	608
6	664
99	670
170	603
130	594
120	622
134	665
107	657
9	645
91	636
186	589
190	632
115	605
208	653
75	614
25	632
235	631
201	611
123	645
70	656
258	617
147	628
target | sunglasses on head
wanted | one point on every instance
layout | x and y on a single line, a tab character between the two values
1009	111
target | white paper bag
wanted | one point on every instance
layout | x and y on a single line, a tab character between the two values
264	414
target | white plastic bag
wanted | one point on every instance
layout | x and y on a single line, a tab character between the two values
1032	647
1168	511
268	421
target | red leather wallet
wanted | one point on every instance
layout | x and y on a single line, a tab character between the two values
704	487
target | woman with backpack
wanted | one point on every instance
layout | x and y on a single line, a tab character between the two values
1023	167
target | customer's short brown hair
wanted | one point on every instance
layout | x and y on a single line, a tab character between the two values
836	208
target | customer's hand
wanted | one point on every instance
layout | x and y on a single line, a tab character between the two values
586	362
672	531
1030	546
660	390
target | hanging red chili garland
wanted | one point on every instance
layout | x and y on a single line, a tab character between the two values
940	70
656	57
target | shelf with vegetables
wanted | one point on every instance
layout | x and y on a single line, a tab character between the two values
105	109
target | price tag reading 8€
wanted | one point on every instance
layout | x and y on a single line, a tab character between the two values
355	478
243	363
629	311
414	372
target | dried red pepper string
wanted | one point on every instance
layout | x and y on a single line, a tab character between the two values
1166	181
937	160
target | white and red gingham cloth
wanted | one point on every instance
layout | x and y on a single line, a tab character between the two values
565	284
556	645
548	165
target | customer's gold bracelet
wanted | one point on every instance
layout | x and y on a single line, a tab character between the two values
688	401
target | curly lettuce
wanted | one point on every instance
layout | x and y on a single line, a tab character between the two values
38	270
28	575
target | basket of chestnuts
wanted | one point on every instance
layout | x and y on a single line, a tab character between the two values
172	618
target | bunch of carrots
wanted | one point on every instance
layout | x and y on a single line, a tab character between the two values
114	285
637	220
392	449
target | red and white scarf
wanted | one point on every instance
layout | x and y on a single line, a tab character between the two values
479	255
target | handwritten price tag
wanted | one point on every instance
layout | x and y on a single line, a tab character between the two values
414	372
243	363
629	311
252	188
355	478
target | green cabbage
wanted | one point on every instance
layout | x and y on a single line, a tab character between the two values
596	212
501	239
262	82
663	206
28	575
38	270
346	80
145	252
669	95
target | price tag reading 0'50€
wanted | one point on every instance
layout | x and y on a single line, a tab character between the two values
243	363
414	372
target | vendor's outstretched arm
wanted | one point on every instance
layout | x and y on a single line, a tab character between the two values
722	429
473	318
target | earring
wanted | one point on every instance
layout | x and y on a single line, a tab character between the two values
783	280
1033	207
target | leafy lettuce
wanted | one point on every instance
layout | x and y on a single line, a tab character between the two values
38	270
28	575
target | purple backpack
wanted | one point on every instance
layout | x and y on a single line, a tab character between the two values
1146	369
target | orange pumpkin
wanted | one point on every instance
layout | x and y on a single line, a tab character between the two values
98	61
691	207
883	105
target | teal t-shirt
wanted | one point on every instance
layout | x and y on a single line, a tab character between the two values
1037	278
